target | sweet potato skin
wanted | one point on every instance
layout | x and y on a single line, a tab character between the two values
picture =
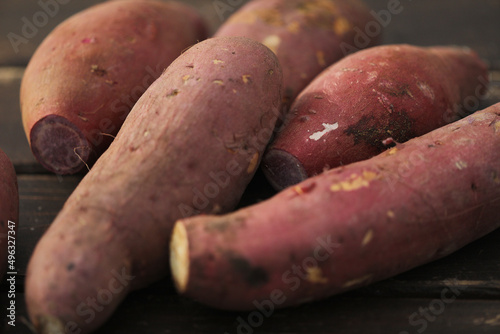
195	136
9	209
305	35
349	226
88	73
393	91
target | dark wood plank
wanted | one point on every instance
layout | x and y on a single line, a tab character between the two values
159	314
446	22
41	198
16	17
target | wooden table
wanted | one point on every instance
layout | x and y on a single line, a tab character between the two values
458	294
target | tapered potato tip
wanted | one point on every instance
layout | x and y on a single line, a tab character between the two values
179	257
59	145
282	169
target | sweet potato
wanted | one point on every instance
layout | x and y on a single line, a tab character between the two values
349	226
395	91
191	144
87	74
307	36
9	214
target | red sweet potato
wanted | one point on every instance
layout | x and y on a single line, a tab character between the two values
191	144
9	214
349	226
395	91
306	35
87	74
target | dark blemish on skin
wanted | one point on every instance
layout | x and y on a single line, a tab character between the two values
473	187
98	71
253	276
366	130
173	93
319	97
190	66
70	266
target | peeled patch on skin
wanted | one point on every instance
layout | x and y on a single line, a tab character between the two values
328	128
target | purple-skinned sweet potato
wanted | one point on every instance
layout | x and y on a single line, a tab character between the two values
191	144
9	214
87	74
306	35
347	113
350	226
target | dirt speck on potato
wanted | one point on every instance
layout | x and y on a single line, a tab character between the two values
253	163
320	55
315	275
100	72
341	26
367	238
355	182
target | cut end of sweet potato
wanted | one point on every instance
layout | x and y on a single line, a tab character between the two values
179	257
46	324
59	145
282	169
